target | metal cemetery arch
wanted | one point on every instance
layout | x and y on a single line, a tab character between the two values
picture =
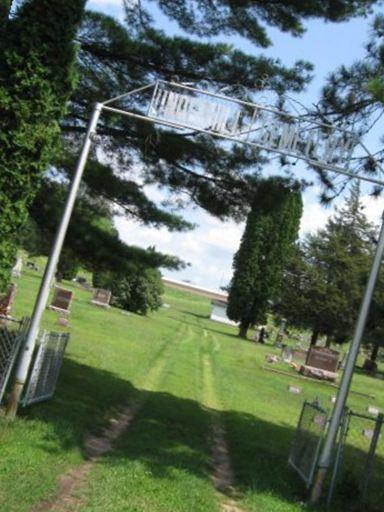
183	107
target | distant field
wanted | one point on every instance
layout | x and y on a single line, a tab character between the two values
182	375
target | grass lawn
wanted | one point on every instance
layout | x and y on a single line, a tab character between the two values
184	373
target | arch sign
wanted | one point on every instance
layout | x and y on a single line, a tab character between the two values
258	125
183	107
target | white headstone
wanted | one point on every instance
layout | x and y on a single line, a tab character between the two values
16	271
294	389
375	411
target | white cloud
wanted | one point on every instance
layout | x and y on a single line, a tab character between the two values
373	208
211	246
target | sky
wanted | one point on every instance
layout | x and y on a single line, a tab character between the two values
209	249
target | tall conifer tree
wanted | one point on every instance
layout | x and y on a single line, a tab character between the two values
271	229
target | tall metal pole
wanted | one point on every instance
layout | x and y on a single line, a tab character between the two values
50	268
326	455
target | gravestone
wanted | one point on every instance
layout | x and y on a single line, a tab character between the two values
287	354
333	399
7	300
16	271
323	358
299	354
294	389
101	298
320	420
61	301
281	333
321	363
368	433
375	411
63	321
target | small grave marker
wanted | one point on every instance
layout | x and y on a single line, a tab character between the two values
61	301
373	410
319	419
294	389
16	271
101	298
62	321
333	399
368	433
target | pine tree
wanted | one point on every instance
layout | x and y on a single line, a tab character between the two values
353	96
272	227
37	78
325	281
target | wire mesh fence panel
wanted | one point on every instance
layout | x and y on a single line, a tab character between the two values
360	478
307	440
46	367
11	337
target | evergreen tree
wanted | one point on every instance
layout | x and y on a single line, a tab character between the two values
353	96
36	80
272	227
139	289
324	283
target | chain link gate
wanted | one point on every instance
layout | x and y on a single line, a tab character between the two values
10	342
307	440
358	474
46	367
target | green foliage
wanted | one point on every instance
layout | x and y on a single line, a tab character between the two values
353	96
376	88
325	280
91	239
36	79
139	289
248	18
272	227
180	367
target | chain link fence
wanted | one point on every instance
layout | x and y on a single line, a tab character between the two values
357	481
307	440
46	367
12	334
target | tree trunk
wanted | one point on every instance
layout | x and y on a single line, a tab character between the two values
375	352
243	329
314	337
328	341
5	6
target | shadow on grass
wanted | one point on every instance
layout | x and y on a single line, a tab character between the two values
169	433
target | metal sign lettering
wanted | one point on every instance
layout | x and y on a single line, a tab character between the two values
264	127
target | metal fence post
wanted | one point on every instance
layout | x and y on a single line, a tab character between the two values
345	384
339	455
49	272
371	455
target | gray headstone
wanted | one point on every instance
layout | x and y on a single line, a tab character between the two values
323	358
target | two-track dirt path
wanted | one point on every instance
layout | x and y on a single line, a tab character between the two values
72	486
223	477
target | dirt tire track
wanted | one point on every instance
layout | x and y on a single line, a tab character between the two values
223	477
72	485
